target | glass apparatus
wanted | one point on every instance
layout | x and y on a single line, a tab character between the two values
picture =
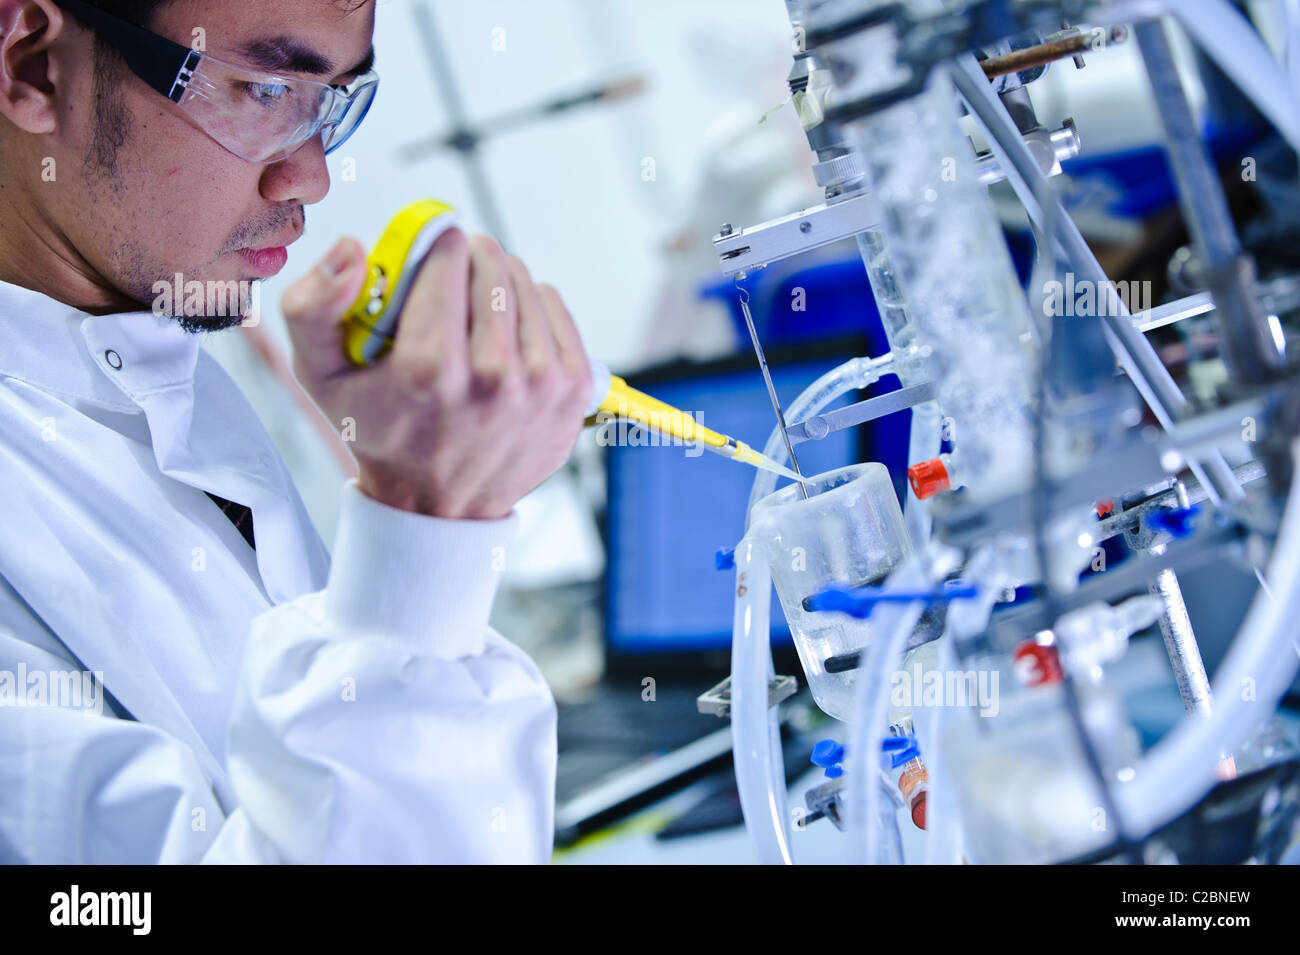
849	531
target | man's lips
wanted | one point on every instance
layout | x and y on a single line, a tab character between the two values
269	259
266	262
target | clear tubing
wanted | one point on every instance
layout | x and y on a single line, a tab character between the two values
1226	35
854	374
1263	659
909	363
992	568
893	624
887	826
756	739
926	438
942	820
755	727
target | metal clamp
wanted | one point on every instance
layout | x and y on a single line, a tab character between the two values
819	426
820	225
1050	149
716	701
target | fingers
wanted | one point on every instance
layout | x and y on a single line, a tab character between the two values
537	348
313	305
571	356
474	318
568	343
434	323
494	313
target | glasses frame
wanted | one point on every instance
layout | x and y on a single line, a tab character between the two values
168	68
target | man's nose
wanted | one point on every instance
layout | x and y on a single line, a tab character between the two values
302	177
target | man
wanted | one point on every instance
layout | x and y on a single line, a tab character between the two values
259	701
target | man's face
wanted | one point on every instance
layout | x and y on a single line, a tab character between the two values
153	195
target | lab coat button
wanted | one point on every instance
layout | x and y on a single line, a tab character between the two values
113	358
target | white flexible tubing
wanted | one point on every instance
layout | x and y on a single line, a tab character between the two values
1260	664
871	701
891	624
991	569
1228	37
942	815
755	727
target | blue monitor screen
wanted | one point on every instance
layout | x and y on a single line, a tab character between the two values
671	508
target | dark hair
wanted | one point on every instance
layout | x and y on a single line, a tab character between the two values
111	127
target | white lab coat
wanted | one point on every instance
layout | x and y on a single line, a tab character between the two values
268	706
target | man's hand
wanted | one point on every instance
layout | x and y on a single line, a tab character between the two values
482	396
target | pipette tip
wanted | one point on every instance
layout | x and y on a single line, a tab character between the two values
767	464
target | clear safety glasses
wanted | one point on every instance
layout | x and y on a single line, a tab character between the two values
257	116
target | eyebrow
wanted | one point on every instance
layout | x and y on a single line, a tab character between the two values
284	55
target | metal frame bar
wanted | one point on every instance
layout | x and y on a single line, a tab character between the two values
1245	339
819	426
1134	352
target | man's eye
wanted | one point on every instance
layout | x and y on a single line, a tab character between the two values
267	94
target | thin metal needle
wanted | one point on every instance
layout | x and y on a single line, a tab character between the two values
767	379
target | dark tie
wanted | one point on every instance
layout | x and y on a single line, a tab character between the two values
240	516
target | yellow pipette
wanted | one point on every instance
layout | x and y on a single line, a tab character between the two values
371	323
623	401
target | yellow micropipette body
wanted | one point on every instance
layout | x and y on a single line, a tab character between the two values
370	324
625	401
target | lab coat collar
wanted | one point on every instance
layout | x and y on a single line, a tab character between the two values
204	432
111	361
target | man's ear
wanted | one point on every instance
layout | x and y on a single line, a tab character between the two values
28	29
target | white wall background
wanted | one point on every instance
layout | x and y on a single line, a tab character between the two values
574	202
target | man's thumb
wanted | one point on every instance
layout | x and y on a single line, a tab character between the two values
313	305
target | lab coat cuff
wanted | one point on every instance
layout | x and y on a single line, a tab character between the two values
425	580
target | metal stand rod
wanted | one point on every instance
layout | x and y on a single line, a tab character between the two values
1176	626
771	388
1245	338
1180	643
453	103
1171	312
